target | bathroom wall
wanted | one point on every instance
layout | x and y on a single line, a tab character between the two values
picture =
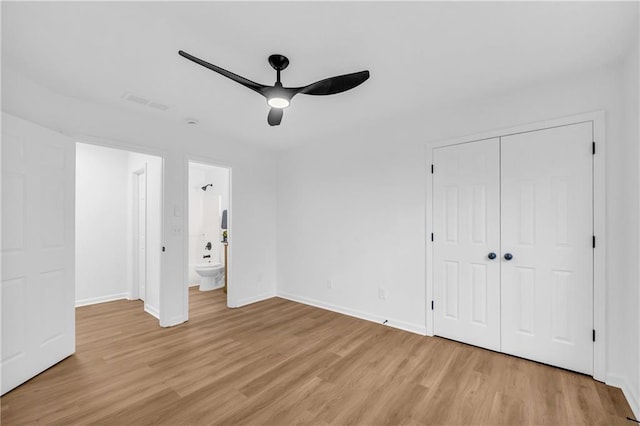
205	214
101	224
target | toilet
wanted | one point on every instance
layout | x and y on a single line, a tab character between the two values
211	275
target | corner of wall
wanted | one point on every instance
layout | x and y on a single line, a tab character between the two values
629	393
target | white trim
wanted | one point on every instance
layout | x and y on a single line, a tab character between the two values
173	321
254	299
599	219
401	325
522	128
152	311
428	273
632	398
102	299
600	252
134	289
117	144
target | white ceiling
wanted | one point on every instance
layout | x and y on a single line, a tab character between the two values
419	54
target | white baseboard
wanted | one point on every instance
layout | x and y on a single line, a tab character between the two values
152	311
627	390
250	300
171	322
101	299
402	325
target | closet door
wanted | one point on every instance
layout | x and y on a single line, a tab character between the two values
466	221
547	254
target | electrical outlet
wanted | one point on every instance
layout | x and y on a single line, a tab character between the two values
329	284
381	293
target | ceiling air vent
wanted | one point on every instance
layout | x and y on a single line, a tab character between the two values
157	105
128	96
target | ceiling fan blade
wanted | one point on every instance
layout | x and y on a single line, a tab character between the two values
235	77
275	116
333	85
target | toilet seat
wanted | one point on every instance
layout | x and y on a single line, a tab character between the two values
208	266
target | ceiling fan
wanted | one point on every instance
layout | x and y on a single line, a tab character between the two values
279	97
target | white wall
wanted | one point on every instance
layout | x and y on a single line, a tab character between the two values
351	209
101	224
153	166
630	359
253	248
205	214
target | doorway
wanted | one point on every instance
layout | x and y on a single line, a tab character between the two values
118	226
209	230
66	231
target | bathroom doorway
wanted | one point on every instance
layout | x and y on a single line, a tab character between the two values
209	218
118	226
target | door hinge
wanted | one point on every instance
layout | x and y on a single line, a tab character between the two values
432	236
594	241
594	147
432	169
594	335
432	305
162	248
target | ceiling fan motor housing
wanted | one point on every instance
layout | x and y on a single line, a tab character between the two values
278	62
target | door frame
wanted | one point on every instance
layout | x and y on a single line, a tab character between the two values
207	161
134	291
597	119
139	149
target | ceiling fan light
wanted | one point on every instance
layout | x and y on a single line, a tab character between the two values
276	102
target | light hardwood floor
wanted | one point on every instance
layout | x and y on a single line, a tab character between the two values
278	362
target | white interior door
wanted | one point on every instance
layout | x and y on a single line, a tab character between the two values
466	222
38	202
142	235
547	227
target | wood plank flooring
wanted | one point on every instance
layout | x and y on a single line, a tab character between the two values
279	363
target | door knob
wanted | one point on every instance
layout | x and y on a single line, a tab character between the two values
492	255
508	256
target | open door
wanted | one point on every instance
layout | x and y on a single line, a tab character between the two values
38	277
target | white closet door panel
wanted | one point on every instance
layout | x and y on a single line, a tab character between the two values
38	289
547	225
466	225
